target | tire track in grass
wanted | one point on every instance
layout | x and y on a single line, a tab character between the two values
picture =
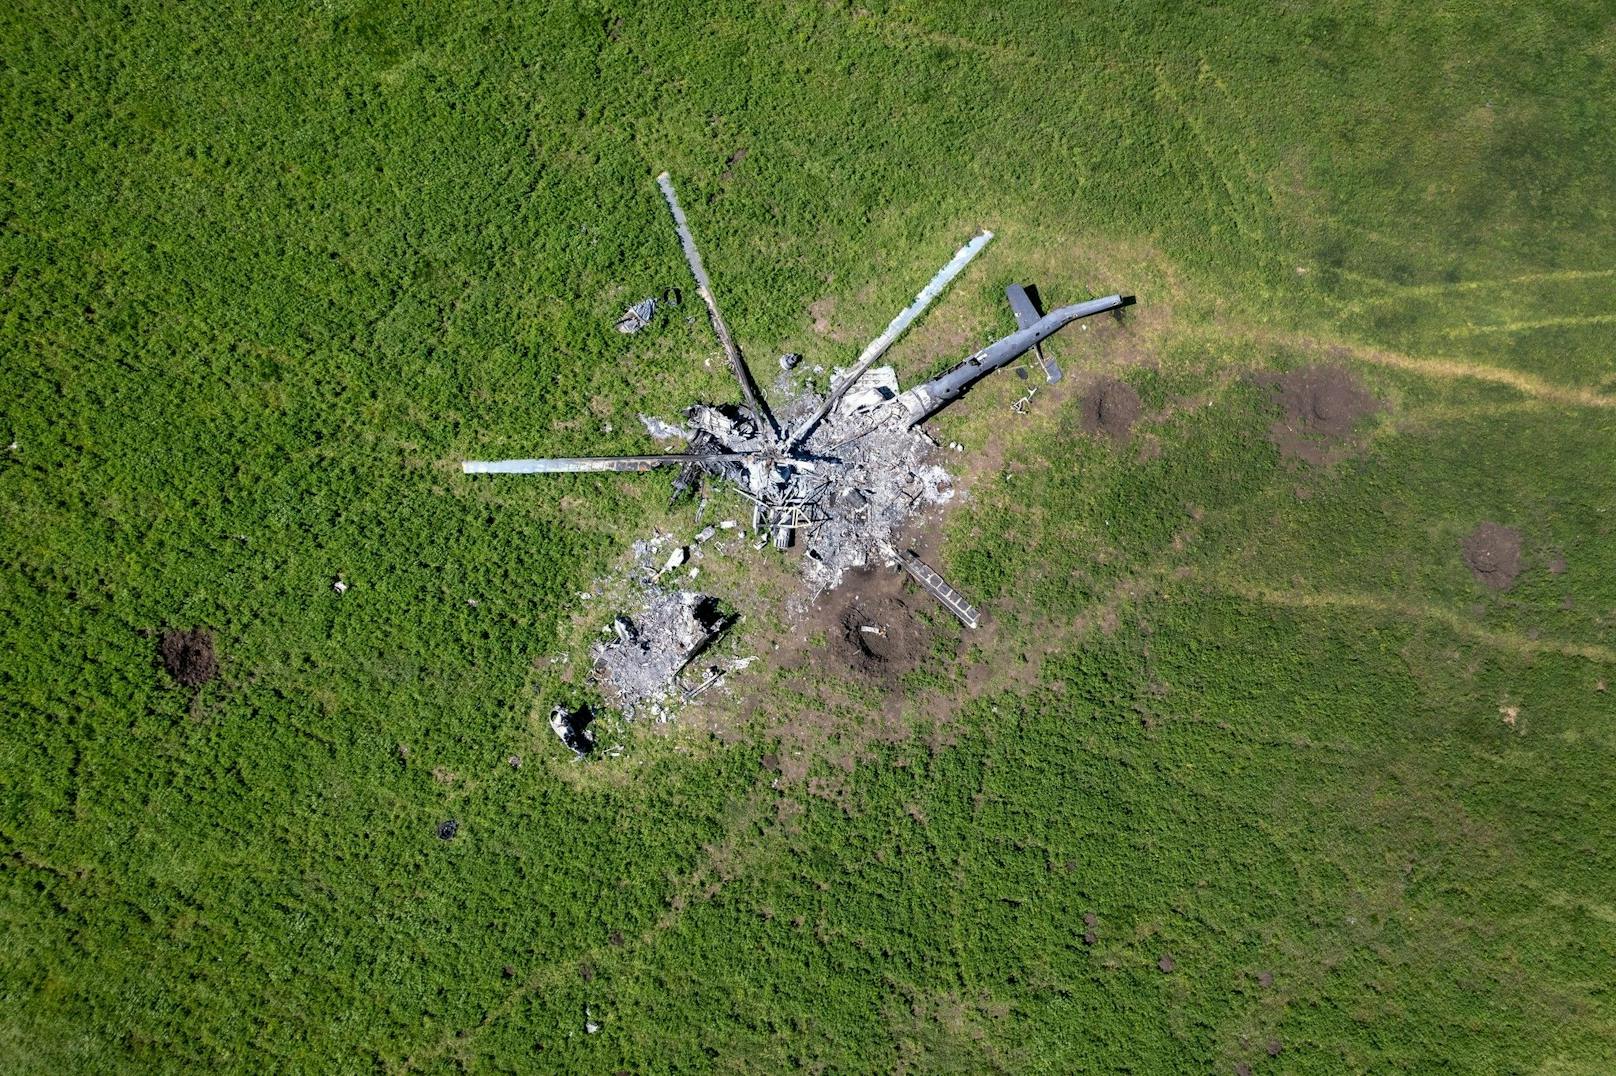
1167	93
1444	367
1460	369
1436	414
1400	292
1529	326
719	865
1374	603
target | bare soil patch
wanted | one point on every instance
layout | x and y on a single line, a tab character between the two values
1110	407
1492	552
188	656
1321	407
875	631
823	314
855	698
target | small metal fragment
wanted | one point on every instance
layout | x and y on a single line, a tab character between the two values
637	316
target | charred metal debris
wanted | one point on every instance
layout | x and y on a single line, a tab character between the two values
838	473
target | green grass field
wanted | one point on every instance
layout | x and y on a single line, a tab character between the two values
268	272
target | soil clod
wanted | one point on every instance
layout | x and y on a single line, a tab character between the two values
188	656
1492	552
1166	963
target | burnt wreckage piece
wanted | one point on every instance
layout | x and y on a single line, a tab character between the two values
572	728
845	471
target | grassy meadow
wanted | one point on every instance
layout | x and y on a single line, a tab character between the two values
268	272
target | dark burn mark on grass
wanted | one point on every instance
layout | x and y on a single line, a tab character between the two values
1321	406
1492	552
1110	408
188	656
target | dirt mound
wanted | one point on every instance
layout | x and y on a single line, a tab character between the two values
1492	552
188	656
1321	406
1110	408
879	637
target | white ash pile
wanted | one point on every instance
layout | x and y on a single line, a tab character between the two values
874	476
650	647
844	493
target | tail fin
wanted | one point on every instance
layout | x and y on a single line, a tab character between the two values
1024	304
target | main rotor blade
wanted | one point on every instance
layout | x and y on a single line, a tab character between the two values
704	288
899	324
587	464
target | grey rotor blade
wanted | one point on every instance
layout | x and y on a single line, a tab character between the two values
590	464
895	329
704	288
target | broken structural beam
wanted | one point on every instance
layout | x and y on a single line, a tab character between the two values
923	400
935	585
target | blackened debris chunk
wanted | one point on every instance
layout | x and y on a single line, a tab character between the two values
572	728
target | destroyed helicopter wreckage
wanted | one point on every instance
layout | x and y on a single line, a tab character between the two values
839	474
